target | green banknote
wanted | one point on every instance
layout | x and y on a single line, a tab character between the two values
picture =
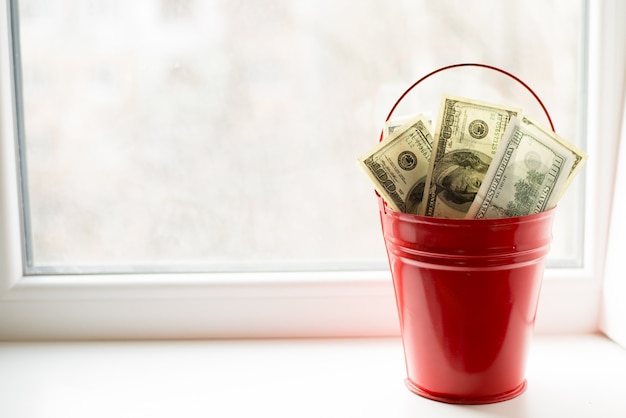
466	138
397	166
528	173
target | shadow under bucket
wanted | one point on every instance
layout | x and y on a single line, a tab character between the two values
467	293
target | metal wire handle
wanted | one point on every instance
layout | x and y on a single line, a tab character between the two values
490	67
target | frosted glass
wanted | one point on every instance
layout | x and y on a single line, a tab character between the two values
223	135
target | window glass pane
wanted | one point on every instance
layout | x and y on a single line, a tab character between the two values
221	135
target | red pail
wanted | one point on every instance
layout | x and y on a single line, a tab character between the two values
467	293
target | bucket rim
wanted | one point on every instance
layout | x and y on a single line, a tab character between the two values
459	222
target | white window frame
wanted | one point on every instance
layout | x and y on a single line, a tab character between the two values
613	315
298	304
613	306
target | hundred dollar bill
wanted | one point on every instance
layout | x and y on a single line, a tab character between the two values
400	121
527	174
579	155
397	166
466	139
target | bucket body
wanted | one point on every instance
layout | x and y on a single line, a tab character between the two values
467	293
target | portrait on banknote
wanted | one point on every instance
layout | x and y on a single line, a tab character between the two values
458	177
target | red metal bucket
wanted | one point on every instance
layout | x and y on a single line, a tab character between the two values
467	293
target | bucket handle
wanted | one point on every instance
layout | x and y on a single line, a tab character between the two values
490	67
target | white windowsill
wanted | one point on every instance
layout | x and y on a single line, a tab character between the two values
568	376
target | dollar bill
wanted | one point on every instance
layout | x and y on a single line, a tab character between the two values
397	166
527	174
466	139
580	157
393	124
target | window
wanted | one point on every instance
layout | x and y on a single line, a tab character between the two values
179	134
216	144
